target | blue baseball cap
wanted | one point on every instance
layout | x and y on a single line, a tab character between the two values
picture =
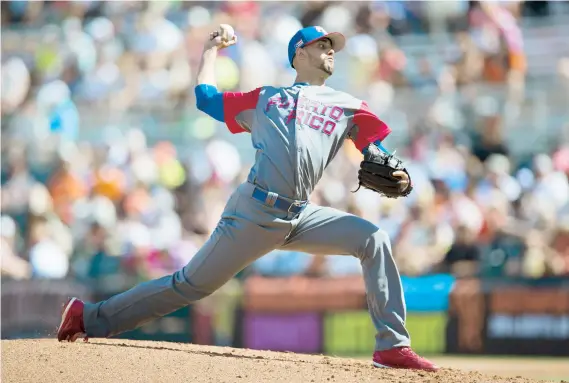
310	35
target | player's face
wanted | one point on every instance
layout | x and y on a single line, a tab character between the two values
321	56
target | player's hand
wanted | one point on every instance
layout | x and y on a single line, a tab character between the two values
216	41
404	179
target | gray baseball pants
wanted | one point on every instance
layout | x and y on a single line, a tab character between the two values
249	229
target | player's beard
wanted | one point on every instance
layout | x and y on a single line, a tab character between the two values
327	67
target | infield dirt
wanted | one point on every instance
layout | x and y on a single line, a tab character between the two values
109	360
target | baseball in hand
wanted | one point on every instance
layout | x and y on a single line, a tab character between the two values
223	37
226	32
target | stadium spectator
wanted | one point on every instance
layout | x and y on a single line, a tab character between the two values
108	171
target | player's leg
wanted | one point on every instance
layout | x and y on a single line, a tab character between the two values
327	231
323	230
235	243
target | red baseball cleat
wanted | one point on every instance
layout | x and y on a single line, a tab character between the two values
71	326
402	357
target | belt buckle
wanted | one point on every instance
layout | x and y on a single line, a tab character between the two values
295	203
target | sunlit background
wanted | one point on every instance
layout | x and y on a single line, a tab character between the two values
110	175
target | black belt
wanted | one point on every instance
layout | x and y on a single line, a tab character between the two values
274	200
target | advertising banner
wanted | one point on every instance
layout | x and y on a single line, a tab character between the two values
301	332
523	320
329	315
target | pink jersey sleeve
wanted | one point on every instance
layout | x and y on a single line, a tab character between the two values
369	127
234	103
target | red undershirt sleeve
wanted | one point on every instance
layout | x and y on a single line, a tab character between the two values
235	103
369	127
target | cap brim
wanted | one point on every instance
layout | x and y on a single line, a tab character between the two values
338	40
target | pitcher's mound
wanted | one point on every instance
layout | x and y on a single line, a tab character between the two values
46	360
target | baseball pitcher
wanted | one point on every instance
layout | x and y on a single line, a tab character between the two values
296	130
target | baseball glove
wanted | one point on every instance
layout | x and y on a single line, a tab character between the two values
376	173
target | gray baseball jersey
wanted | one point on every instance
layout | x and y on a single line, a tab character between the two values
297	131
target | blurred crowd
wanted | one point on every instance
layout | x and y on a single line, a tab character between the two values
109	175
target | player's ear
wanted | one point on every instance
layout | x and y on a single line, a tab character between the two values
300	54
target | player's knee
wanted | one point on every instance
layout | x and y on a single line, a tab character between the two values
188	288
375	245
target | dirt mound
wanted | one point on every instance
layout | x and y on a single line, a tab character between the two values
46	360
